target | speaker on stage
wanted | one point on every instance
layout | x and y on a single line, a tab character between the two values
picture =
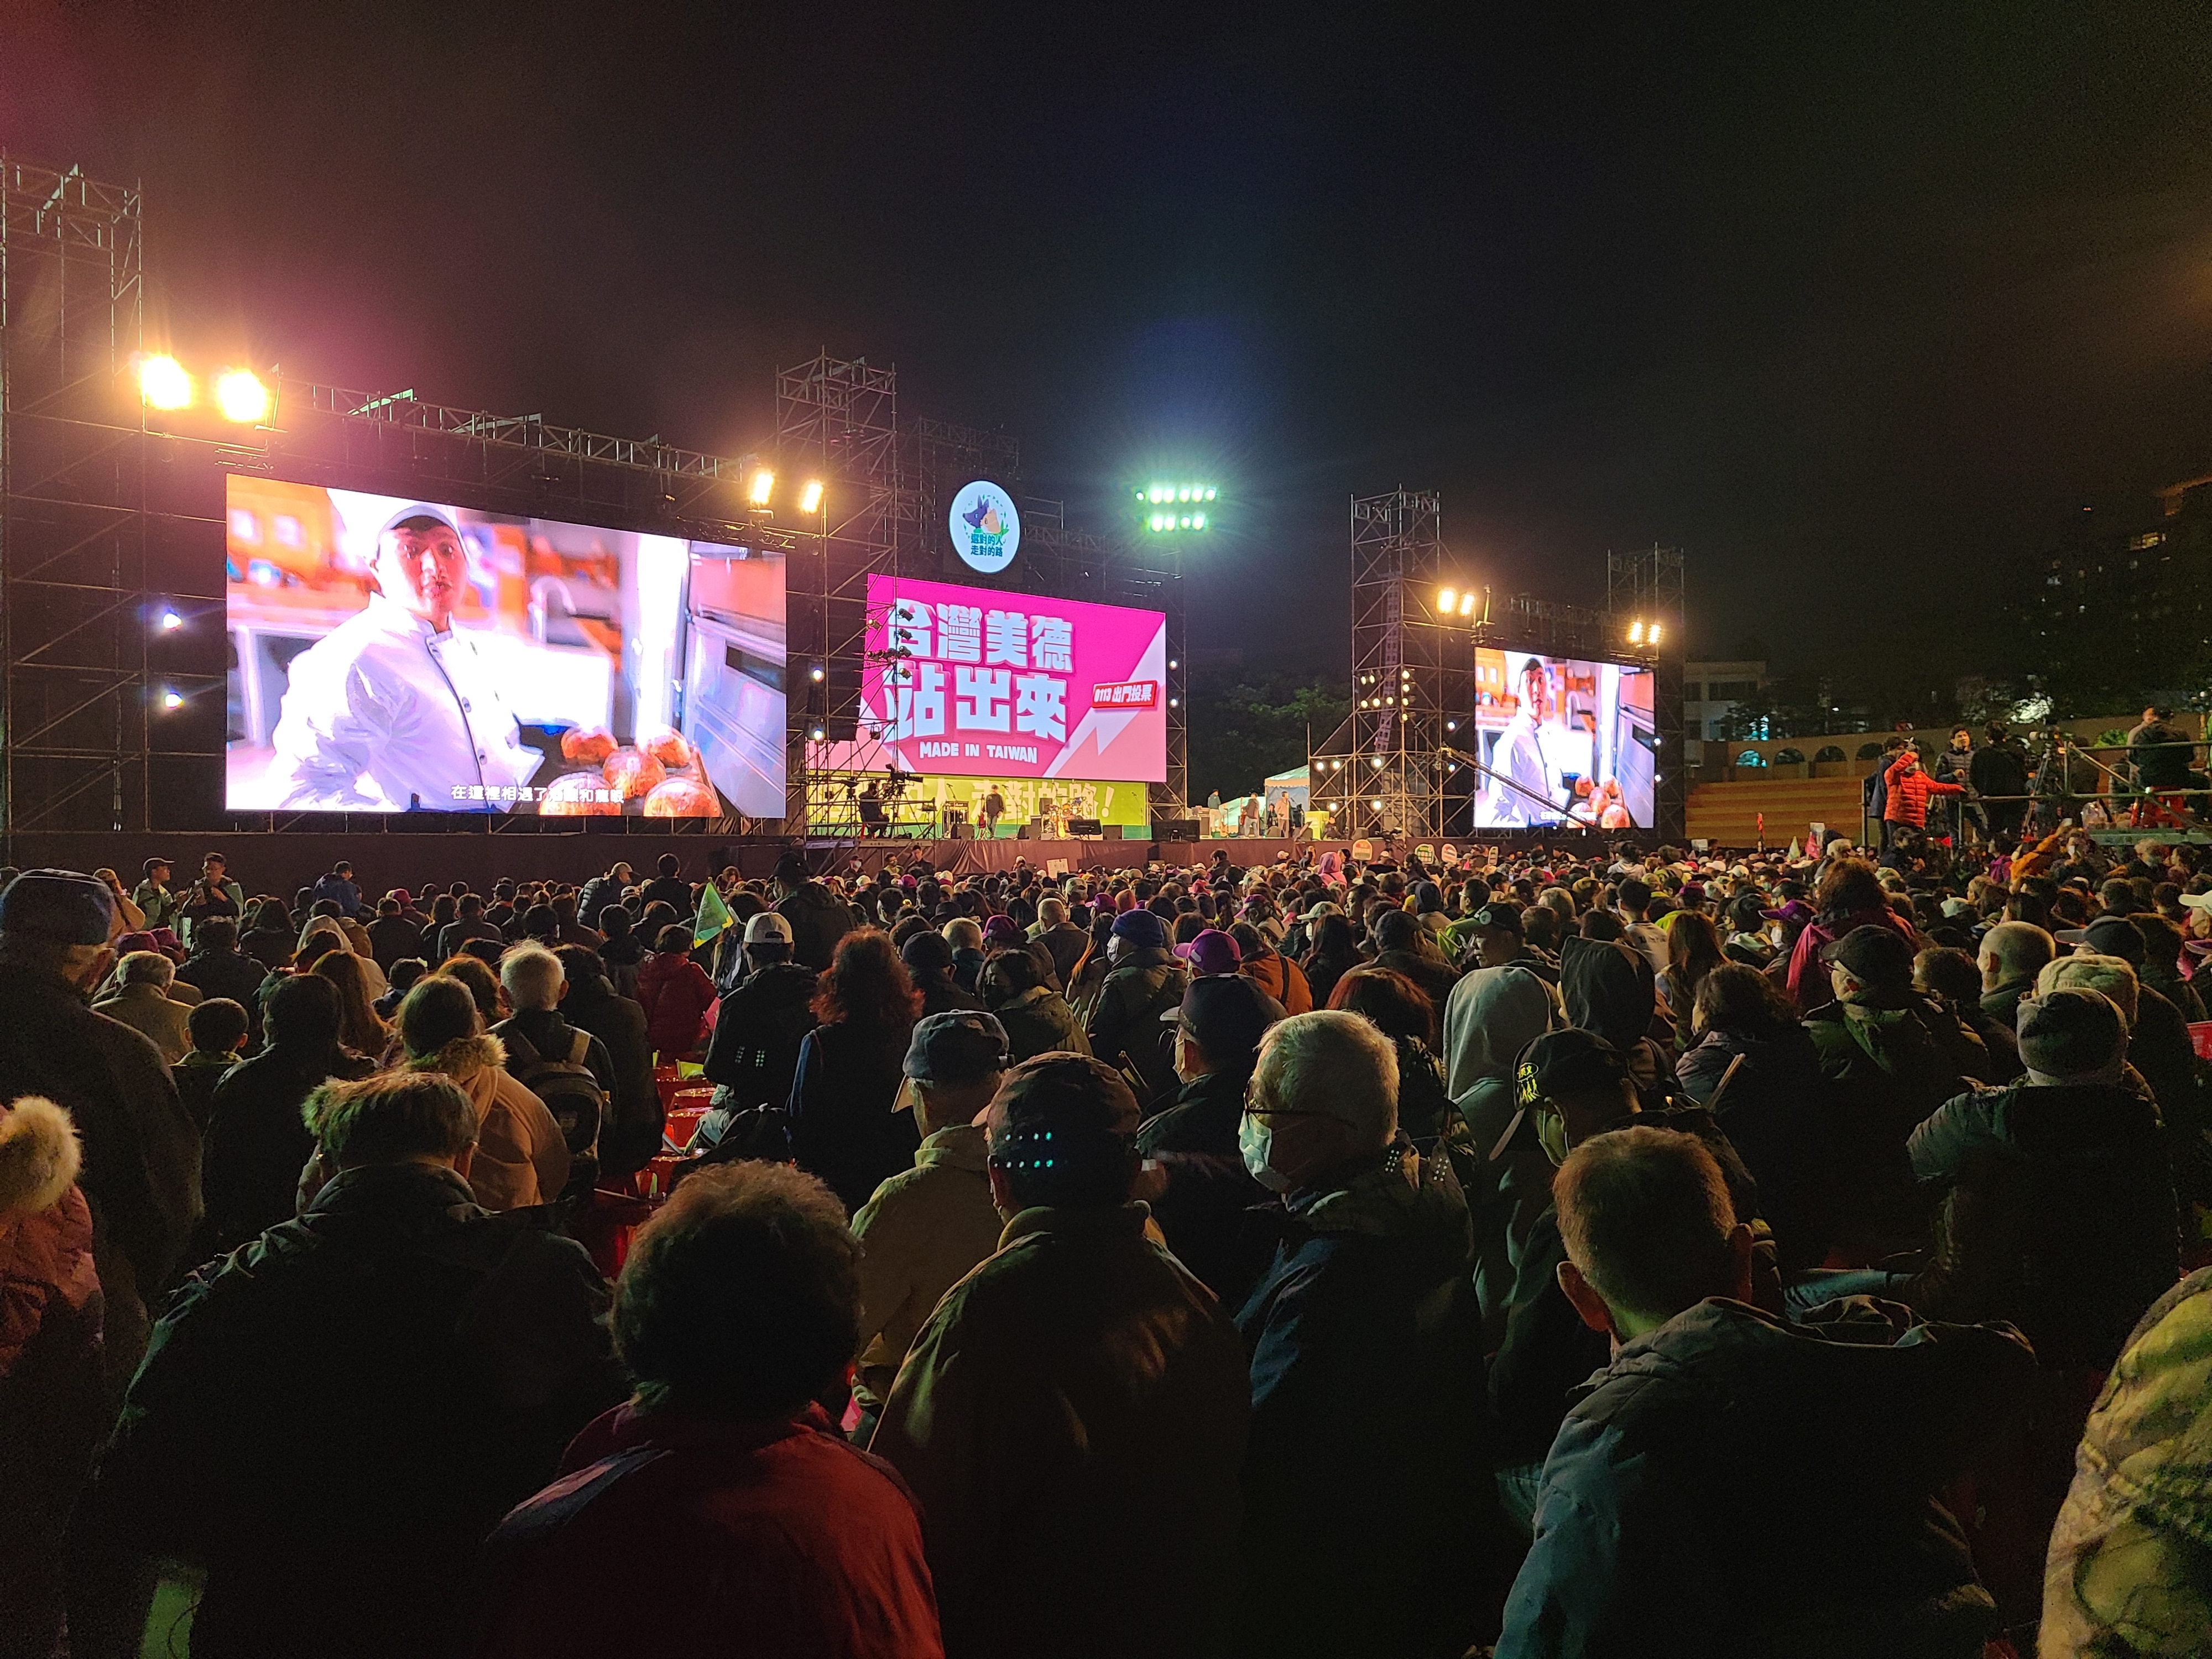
1115	832
1174	828
1080	828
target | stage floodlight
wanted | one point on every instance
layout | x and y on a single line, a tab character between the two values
1636	632
1172	663
1652	636
815	672
1185	524
810	498
171	700
762	490
1198	521
171	622
163	384
1446	600
1174	702
817	734
1467	605
241	396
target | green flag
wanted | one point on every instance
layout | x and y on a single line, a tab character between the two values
713	916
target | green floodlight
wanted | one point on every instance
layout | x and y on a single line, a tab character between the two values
1175	497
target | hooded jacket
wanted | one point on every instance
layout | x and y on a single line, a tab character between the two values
1072	1418
331	1420
1281	979
1492	1014
1731	1485
1362	1514
52	1405
1609	988
521	1159
921	1234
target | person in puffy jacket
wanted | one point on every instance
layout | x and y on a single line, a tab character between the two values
1143	981
1036	1018
51	1410
1907	790
676	994
520	1159
1818	1452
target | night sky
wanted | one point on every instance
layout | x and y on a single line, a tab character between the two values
1850	302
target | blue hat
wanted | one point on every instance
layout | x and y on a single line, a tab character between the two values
1144	930
60	905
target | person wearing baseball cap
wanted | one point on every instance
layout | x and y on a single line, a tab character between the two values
927	1226
1211	953
1357	1517
1072	1416
1193	1163
395	709
1891	1056
754	1052
1143	981
141	1151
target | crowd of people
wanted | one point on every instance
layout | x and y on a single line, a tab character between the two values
1570	1251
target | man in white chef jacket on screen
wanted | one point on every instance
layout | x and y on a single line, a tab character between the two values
1520	756
395	709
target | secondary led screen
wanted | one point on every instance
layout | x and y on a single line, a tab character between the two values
389	654
1563	742
980	682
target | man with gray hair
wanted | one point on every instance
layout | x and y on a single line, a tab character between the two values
564	1066
1723	1449
140	1000
1362	1519
1063	938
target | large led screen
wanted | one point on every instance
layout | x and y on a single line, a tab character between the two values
389	654
980	682
1563	742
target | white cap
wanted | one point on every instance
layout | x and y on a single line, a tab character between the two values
768	927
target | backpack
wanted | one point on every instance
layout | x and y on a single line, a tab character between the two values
571	1093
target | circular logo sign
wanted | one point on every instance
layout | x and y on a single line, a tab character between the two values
987	531
1362	850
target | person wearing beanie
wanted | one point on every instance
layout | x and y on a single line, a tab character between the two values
141	1173
1143	981
2058	1204
1073	1415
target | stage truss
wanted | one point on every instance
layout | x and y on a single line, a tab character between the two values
1403	767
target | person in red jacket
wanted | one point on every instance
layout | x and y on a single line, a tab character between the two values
722	1498
1909	789
50	1400
676	994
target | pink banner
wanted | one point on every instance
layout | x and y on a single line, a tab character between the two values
978	681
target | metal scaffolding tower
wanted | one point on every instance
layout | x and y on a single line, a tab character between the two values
837	420
1381	774
75	611
1646	587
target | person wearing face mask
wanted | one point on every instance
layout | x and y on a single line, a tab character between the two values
1363	1530
141	1160
395	709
